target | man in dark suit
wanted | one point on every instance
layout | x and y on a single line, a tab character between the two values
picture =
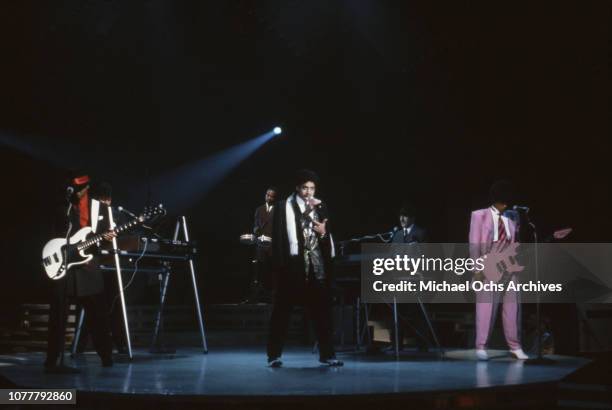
264	213
84	282
408	232
262	228
410	314
302	251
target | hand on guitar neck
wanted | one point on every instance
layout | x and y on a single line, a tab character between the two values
108	236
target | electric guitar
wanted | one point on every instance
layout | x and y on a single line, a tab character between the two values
55	251
501	264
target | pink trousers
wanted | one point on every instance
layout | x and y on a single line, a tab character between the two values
486	312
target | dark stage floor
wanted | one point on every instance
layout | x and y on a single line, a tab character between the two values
243	372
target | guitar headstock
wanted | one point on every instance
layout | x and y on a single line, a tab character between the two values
150	213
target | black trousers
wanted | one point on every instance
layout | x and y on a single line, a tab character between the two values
96	317
115	316
264	273
316	297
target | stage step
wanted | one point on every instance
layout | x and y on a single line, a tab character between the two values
584	396
226	324
582	405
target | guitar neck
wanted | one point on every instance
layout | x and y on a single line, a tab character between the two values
98	238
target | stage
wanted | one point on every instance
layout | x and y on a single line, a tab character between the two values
240	377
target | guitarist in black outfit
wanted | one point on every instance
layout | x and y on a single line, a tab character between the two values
85	283
102	191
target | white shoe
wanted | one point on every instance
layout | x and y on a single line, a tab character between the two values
519	354
482	354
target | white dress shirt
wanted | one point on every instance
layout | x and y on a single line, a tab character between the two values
495	213
407	230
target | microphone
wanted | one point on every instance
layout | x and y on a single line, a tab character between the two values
521	208
125	211
315	200
392	231
69	191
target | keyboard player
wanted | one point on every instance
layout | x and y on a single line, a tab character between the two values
409	232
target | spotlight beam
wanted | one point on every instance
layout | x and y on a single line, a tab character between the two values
186	185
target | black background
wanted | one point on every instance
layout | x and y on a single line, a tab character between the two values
387	101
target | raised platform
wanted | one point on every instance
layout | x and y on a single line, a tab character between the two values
233	378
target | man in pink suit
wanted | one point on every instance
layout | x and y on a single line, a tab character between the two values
493	228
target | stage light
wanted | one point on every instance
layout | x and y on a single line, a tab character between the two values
277	130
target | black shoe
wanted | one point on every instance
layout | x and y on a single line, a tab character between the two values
275	363
61	370
332	362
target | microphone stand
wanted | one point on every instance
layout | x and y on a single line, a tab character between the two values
62	368
380	236
540	359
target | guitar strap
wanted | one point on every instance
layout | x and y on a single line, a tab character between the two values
95	211
84	210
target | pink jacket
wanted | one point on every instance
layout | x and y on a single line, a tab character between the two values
481	232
